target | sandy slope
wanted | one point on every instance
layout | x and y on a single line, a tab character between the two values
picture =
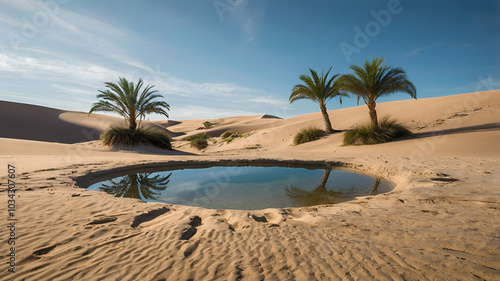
423	230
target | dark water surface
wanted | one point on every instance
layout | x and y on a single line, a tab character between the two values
246	188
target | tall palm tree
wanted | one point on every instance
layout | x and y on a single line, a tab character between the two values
373	80
320	90
130	101
320	195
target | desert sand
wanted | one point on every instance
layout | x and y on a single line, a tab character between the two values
441	222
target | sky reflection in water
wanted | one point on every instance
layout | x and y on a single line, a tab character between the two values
247	188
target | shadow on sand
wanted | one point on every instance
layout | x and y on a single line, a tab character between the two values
461	130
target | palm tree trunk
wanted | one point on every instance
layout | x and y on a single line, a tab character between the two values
326	174
373	114
132	124
326	119
133	189
376	183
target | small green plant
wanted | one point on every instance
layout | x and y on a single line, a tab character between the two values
227	134
131	137
388	130
197	136
228	140
252	147
208	124
307	135
199	143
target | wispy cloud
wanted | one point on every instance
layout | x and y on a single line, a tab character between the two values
10	22
248	15
54	70
482	84
417	51
82	79
74	30
250	27
77	34
198	111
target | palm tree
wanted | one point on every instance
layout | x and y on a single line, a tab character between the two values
373	80
320	90
143	186
130	101
320	195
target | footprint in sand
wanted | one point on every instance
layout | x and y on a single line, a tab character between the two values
191	230
40	252
103	220
149	216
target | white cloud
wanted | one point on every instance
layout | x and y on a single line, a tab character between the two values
10	22
247	15
53	70
75	30
417	51
207	112
81	80
90	92
482	84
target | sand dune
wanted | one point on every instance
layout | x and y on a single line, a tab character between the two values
30	122
433	120
38	123
425	229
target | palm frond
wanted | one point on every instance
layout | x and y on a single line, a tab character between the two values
318	88
132	101
373	80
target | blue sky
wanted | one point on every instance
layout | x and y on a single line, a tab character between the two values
219	58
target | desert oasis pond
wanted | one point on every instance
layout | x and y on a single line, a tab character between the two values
242	187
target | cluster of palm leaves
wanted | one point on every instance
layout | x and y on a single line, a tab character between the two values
133	103
143	186
319	89
367	82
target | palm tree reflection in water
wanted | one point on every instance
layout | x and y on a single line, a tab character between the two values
143	186
320	195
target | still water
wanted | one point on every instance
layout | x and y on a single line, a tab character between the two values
245	188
